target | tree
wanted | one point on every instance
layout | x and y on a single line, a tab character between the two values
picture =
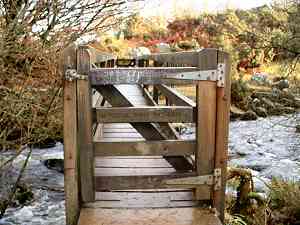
49	19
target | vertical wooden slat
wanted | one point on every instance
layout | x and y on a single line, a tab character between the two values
85	127
70	140
206	116
155	90
222	129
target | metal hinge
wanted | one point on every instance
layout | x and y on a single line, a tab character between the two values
72	74
217	75
214	180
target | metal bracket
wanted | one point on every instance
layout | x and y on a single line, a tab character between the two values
206	75
221	74
211	180
71	75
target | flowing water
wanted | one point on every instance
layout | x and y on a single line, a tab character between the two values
269	147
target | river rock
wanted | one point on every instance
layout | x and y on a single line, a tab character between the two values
297	102
267	103
255	103
235	112
281	84
298	128
287	102
262	112
25	214
288	110
55	164
249	115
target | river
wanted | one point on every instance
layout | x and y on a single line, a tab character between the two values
270	147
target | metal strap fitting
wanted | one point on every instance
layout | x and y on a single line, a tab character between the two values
221	75
217	75
214	180
72	74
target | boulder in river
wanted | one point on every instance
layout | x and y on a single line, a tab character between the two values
298	128
249	115
235	112
261	112
281	84
55	164
267	103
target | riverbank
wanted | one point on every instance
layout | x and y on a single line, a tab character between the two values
270	147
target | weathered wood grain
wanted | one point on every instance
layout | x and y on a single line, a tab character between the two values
206	120
188	58
175	97
140	148
85	143
222	129
139	182
174	114
154	75
175	216
71	167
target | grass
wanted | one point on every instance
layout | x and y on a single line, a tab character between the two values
281	206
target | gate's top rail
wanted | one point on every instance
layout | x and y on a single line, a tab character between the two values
185	69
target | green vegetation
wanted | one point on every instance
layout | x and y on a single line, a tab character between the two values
280	206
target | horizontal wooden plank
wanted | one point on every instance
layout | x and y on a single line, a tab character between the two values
118	139
132	162
133	171
122	130
174	114
188	58
105	183
148	75
121	135
170	195
166	148
175	97
131	157
154	202
117	125
149	216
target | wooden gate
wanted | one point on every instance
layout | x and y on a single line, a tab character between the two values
119	141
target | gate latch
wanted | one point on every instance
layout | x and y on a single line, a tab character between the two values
214	180
72	74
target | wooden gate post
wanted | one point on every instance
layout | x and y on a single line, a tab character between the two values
85	138
222	128
206	116
71	167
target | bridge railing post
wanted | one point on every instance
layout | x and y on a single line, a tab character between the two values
84	114
206	120
71	165
222	129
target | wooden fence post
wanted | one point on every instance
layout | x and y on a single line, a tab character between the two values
84	108
206	116
222	128
71	167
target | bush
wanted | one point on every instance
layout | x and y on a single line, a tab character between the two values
30	95
285	202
